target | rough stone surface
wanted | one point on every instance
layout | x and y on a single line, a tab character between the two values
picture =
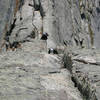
27	71
72	22
8	10
85	69
75	22
31	73
6	15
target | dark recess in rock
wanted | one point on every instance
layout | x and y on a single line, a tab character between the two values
8	33
32	35
98	10
83	16
21	4
84	89
38	7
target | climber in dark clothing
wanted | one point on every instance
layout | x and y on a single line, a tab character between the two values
44	36
52	51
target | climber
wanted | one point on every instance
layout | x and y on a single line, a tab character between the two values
31	5
83	16
44	36
52	51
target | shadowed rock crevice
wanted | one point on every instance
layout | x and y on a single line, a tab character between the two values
85	89
38	7
84	72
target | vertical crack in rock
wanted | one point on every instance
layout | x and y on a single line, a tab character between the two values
83	71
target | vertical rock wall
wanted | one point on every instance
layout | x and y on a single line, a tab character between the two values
8	9
58	21
78	22
69	22
72	22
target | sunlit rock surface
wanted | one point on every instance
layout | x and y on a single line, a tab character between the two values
27	71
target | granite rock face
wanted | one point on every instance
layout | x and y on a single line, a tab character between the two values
78	22
6	15
8	10
74	22
27	71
